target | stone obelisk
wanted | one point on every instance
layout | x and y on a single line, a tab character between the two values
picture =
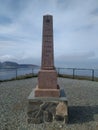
47	102
47	77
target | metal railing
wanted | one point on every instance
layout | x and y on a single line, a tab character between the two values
80	73
18	73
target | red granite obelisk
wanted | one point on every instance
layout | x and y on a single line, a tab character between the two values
47	77
47	102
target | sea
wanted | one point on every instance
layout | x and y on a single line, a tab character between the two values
7	74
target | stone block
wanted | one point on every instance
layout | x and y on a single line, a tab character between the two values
47	109
47	79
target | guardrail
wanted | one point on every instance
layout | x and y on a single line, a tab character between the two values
18	73
80	73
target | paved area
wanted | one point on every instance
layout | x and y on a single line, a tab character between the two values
82	99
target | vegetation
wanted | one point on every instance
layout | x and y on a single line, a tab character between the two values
59	75
78	77
21	77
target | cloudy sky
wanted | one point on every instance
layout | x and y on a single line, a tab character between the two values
75	31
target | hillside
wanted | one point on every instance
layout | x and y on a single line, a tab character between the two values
9	64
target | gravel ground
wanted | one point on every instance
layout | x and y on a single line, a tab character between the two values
82	101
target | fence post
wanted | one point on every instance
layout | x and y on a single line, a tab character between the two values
58	70
32	71
92	74
16	73
73	73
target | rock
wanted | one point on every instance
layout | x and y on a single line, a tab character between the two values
48	116
61	109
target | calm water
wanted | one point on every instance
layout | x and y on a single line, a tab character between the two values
12	73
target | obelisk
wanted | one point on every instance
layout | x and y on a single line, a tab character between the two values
47	77
47	102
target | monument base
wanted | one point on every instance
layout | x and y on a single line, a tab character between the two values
47	109
46	92
47	79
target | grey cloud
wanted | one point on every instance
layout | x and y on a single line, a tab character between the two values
94	12
13	7
63	4
8	38
84	27
30	60
81	56
4	20
82	60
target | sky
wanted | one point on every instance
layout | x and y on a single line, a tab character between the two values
75	24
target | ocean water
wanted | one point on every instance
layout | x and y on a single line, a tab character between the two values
6	74
13	73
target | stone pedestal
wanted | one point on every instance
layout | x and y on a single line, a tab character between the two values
47	109
47	84
47	79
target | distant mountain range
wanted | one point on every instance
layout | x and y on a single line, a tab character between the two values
9	64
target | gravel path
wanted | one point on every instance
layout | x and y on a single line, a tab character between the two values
82	99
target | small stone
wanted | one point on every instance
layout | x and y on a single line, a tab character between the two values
60	126
61	109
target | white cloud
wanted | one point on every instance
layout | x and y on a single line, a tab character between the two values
7	58
75	28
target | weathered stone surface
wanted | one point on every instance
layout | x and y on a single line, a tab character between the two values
46	92
45	109
46	112
61	109
47	77
47	43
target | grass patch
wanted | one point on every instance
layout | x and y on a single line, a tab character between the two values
78	77
59	75
21	77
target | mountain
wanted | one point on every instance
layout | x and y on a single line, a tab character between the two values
9	64
28	66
